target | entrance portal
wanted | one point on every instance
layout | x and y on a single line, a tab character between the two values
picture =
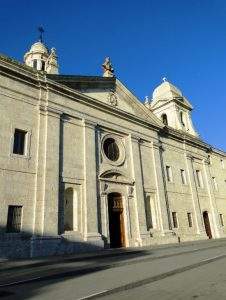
116	221
207	224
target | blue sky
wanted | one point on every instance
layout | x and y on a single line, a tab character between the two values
183	40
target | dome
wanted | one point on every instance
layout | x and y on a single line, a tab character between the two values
39	47
166	90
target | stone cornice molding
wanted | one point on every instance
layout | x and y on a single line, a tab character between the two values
177	135
89	123
50	111
135	138
194	158
157	145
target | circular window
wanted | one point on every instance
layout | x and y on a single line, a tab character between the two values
111	149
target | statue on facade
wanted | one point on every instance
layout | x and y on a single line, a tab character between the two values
108	70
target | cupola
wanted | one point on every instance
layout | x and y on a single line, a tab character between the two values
172	108
41	59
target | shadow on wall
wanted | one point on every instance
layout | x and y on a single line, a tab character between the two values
25	245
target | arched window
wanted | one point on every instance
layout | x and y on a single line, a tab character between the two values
70	209
42	65
182	118
164	119
35	64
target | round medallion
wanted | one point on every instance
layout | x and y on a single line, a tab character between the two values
113	99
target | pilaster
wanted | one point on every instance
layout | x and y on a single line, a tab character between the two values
195	196
139	186
163	204
47	180
213	205
91	229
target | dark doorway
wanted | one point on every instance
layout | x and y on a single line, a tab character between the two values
207	224
116	221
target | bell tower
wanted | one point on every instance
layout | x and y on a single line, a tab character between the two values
40	58
174	110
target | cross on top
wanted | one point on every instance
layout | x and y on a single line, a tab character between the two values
41	31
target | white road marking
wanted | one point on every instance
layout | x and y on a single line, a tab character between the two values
95	294
211	258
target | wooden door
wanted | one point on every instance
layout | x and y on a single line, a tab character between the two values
116	221
207	224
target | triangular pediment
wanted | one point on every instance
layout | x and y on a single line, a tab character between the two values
109	91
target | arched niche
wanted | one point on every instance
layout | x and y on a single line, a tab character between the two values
70	209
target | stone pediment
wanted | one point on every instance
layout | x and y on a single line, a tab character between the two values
109	91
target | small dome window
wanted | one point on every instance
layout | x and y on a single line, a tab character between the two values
182	118
35	64
42	65
164	119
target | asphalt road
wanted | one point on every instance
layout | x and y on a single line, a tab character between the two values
194	271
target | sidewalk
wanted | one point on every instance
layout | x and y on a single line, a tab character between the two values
7	264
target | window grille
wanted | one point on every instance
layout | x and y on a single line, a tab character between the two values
174	217
189	219
14	218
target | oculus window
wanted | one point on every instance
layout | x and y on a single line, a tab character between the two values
111	149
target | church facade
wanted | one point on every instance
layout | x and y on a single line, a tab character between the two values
84	165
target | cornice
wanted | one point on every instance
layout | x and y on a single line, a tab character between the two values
168	101
183	137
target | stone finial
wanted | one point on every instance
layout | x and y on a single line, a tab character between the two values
108	70
146	102
51	63
164	79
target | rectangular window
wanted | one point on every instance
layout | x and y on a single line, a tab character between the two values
189	219
221	220
169	174
19	142
174	217
215	183
199	178
222	163
14	218
183	176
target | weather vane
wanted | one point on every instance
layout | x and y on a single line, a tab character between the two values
41	31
